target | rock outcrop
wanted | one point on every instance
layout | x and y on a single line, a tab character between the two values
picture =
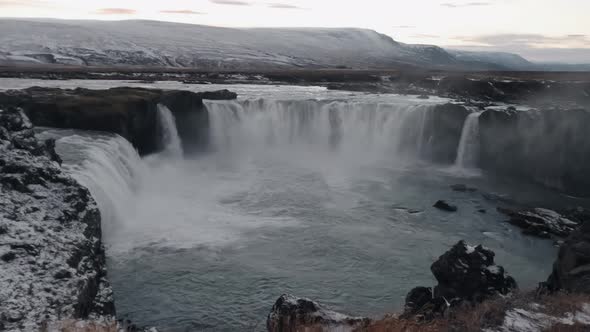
541	222
291	314
129	112
571	270
51	255
549	147
464	274
443	205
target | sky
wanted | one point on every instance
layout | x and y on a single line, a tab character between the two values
540	30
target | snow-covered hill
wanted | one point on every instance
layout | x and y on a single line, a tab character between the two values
154	43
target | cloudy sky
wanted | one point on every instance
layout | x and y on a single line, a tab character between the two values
540	30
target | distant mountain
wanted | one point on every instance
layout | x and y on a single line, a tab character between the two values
164	44
503	59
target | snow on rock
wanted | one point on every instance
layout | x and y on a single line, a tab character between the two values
465	274
540	222
51	255
290	313
532	320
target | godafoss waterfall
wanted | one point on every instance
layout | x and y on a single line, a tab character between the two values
324	195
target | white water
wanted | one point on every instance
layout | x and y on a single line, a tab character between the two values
352	131
468	150
111	169
171	143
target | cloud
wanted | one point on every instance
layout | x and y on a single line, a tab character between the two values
462	5
231	2
425	35
115	11
181	11
283	6
531	40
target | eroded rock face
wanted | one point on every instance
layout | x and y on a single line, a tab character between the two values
129	112
464	274
53	264
290	314
546	146
571	270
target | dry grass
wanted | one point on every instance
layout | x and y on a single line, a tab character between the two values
80	326
490	314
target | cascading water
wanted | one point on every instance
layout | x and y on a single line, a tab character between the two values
171	143
111	169
468	150
360	130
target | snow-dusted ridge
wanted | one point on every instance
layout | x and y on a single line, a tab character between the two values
164	44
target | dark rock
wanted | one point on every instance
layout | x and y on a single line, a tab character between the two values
482	211
290	313
9	256
571	270
63	274
442	205
219	95
465	274
470	273
540	222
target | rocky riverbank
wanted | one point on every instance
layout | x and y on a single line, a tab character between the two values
51	255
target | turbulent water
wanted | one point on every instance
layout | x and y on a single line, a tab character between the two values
324	198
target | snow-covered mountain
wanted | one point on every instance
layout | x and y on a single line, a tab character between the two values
154	43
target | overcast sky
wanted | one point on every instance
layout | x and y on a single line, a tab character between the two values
540	30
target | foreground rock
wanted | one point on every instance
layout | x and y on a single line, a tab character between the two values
571	270
290	314
464	274
540	222
51	257
129	112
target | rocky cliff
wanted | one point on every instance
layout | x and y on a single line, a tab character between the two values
129	112
51	255
546	146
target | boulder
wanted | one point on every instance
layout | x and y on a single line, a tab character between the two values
571	270
290	314
443	205
465	274
540	222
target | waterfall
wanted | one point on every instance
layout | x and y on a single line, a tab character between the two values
355	129
108	166
468	150
171	142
